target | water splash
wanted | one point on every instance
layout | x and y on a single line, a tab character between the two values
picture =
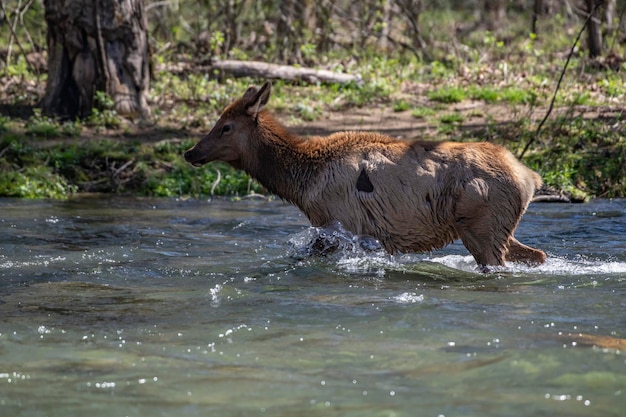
332	240
408	298
552	266
576	266
460	262
355	254
351	253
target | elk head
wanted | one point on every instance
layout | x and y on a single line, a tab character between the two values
229	139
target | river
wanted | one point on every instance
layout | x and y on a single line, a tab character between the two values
119	306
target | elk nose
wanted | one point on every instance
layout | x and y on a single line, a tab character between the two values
189	155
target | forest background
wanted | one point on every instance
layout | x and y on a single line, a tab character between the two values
464	70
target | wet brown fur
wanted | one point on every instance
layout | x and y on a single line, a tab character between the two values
411	196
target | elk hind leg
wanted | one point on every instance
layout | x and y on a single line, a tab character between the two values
518	252
484	240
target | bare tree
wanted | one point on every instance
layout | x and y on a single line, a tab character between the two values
494	13
322	14
96	45
609	16
411	10
289	30
541	8
594	28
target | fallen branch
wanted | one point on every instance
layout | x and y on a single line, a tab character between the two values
4	150
551	198
119	170
284	72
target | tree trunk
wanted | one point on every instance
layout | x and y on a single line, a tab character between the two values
594	33
537	11
494	14
323	30
96	45
541	8
289	30
609	16
411	11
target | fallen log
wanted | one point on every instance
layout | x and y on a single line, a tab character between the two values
551	198
283	72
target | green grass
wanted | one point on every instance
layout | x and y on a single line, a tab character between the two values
452	118
488	94
423	112
515	95
400	105
582	157
42	126
447	95
34	170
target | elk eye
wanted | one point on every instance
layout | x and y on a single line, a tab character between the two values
226	129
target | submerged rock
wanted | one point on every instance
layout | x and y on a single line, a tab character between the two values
333	238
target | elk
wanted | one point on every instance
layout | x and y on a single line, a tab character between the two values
412	196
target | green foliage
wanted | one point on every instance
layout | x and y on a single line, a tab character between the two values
452	118
613	85
307	112
440	70
72	129
447	95
423	112
515	95
400	105
583	157
34	182
57	171
487	94
4	123
512	72
212	179
19	68
42	126
103	114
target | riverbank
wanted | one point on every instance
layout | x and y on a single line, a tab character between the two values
500	93
581	153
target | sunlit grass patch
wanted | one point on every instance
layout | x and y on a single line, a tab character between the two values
42	126
447	95
516	95
452	118
613	86
423	112
487	94
400	105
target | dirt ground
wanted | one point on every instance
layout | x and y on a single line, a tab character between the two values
477	116
402	125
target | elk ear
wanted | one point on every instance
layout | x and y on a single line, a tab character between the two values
250	92
258	99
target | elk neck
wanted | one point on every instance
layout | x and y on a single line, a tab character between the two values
279	160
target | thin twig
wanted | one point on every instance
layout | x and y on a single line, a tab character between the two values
118	171
12	28
216	182
3	151
558	84
24	28
616	32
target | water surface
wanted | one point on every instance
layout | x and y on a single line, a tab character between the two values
136	307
